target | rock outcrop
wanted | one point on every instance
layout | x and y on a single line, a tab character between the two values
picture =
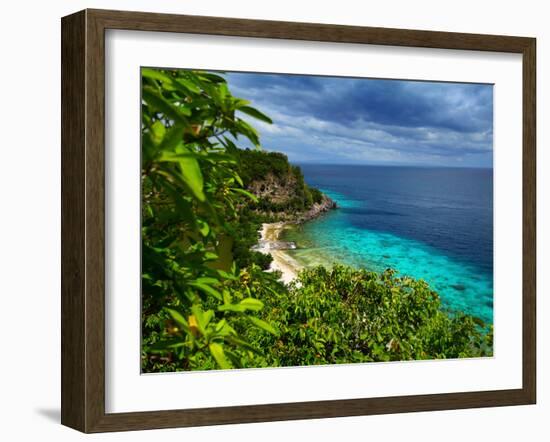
317	209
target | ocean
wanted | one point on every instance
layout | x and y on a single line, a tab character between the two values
429	223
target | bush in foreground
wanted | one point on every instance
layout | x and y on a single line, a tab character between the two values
344	315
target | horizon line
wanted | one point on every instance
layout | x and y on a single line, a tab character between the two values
420	166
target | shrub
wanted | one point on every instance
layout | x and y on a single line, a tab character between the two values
344	315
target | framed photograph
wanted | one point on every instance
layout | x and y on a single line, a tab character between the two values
266	221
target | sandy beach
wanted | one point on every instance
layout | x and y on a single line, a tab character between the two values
270	244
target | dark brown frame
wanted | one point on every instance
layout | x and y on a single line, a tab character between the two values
83	216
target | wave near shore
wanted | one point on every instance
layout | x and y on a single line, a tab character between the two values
270	243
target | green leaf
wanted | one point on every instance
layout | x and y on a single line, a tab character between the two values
239	102
234	358
153	98
242	344
223	329
173	157
192	175
239	179
188	85
207	289
207	279
158	131
256	114
263	325
156	74
207	317
178	317
246	304
220	325
252	304
217	352
190	172
229	145
226	275
248	131
165	345
204	228
231	308
203	317
227	298
212	77
210	256
172	138
223	91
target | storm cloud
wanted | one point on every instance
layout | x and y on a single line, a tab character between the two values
372	121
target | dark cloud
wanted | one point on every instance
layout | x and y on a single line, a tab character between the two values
386	121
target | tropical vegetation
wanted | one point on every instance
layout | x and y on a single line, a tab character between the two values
207	301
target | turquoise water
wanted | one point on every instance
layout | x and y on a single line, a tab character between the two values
338	237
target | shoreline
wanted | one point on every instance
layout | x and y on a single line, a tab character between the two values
270	244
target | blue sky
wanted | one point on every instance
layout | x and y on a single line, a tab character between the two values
370	121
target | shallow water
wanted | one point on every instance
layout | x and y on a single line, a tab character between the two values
434	224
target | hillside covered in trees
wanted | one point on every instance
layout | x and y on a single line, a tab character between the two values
280	194
207	302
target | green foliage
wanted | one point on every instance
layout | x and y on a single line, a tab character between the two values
256	166
246	236
206	300
344	315
190	193
316	195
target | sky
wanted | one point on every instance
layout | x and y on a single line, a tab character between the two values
371	121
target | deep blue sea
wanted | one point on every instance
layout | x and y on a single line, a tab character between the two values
429	223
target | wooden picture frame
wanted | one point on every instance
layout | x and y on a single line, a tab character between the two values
83	220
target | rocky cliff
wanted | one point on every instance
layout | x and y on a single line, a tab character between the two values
280	188
276	190
317	209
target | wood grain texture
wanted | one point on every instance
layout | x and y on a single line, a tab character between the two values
73	252
529	220
83	220
95	222
143	21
